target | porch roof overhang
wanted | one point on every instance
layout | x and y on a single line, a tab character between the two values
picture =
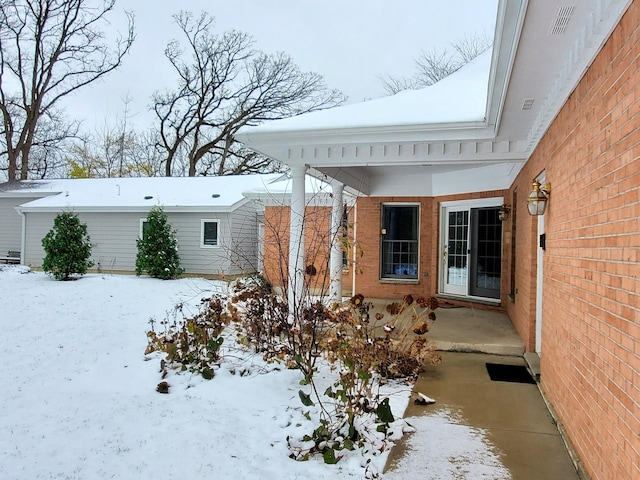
541	50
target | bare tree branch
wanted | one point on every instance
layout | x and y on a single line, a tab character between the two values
224	84
48	50
433	66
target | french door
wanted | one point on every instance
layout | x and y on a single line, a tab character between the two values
471	251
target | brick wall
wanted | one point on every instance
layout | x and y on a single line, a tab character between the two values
368	280
368	243
317	244
590	359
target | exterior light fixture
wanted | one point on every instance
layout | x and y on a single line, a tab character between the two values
537	200
503	213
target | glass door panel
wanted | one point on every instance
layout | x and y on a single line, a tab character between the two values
486	253
456	251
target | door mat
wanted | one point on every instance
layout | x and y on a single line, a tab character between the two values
509	373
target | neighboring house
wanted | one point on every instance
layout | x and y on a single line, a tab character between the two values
557	100
216	226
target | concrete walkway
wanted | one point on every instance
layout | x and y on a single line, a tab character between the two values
513	416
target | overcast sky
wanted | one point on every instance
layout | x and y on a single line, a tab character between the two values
350	42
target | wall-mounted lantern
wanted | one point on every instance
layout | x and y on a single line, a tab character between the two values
538	198
503	213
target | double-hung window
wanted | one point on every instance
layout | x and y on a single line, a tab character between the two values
399	241
209	233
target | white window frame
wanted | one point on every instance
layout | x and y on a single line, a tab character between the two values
142	222
209	220
466	204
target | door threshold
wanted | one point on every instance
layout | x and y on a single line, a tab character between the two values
480	300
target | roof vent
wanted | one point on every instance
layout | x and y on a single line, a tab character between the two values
215	195
561	20
148	197
527	103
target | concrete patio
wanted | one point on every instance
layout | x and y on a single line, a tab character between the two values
512	416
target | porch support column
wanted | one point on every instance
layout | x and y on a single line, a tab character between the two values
335	263
295	288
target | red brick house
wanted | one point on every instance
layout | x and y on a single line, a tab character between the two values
560	103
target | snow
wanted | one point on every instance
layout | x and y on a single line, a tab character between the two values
441	448
127	193
79	398
460	97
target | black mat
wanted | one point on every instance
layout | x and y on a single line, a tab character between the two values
509	373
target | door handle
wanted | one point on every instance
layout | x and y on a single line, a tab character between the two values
445	253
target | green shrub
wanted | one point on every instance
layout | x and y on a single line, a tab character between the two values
158	248
67	247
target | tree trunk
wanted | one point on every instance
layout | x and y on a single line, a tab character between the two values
13	165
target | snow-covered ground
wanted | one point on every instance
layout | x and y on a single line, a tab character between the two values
79	398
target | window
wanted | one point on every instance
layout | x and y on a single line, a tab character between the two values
399	244
144	227
209	233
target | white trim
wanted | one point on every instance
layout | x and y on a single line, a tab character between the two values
141	230
467	205
539	277
260	246
209	220
23	234
476	203
135	209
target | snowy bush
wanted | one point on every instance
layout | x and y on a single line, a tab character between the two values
365	347
191	342
158	248
67	247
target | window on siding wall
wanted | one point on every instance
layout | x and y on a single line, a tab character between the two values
399	242
209	233
144	226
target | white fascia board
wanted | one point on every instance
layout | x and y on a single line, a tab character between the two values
28	194
509	23
137	209
368	135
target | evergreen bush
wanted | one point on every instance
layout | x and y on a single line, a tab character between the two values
158	248
67	247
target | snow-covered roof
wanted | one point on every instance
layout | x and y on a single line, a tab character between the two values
459	98
279	191
137	194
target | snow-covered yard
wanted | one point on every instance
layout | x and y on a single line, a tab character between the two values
79	398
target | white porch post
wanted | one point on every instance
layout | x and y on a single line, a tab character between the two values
295	288
335	263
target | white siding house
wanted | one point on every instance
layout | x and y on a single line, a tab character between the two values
216	225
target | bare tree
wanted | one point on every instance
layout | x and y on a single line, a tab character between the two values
223	85
112	152
433	66
48	50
